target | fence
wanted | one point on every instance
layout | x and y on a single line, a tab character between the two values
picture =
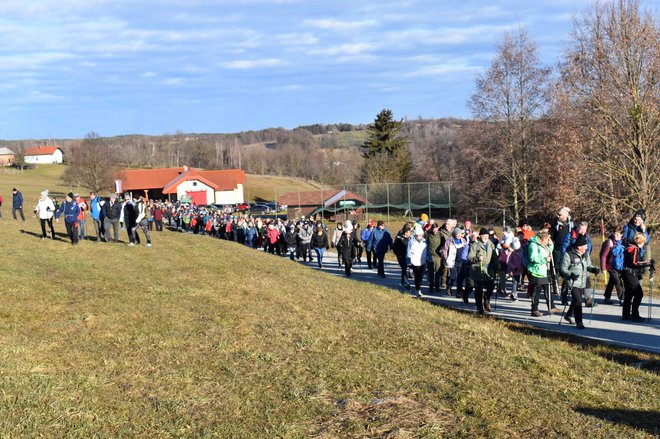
368	200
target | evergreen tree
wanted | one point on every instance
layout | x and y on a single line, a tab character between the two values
386	153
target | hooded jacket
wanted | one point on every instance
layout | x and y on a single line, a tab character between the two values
573	263
482	270
537	263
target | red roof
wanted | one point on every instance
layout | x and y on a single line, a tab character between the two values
137	179
41	150
222	180
316	198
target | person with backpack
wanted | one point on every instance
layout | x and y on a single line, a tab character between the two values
515	267
380	241
611	260
560	227
482	269
633	266
95	212
366	233
575	264
71	210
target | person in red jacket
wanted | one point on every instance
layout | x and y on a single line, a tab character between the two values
82	204
157	214
273	235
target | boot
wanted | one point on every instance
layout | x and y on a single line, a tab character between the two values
487	305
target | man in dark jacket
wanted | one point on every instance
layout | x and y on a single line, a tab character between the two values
380	241
574	267
483	266
112	212
17	204
129	219
434	244
71	210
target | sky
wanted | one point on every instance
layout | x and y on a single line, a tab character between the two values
70	67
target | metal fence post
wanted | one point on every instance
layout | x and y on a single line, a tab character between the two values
429	194
388	201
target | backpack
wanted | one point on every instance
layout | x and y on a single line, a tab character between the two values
2	200
525	255
617	255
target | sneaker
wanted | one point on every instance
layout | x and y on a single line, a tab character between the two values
130	244
513	298
579	325
148	244
607	302
537	313
637	319
418	293
555	310
487	306
568	318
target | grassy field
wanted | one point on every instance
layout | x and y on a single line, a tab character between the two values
266	187
197	337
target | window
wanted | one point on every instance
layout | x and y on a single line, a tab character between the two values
194	183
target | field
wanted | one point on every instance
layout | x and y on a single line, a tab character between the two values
266	188
197	337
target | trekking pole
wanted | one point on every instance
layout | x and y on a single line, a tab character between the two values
593	299
570	290
650	306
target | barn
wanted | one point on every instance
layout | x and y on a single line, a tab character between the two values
47	155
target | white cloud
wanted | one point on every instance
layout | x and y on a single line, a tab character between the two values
252	64
339	25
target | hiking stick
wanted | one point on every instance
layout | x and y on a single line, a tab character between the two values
570	290
650	305
593	299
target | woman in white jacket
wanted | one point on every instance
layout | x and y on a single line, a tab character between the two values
416	257
45	209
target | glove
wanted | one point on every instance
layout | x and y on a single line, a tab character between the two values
574	276
594	270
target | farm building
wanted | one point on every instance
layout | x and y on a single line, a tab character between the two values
197	185
329	203
43	155
7	157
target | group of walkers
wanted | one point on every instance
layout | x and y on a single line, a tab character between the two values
107	215
456	259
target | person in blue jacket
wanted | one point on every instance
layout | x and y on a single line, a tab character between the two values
17	204
71	210
95	211
569	239
366	234
380	242
636	225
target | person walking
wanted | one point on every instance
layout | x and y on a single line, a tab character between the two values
336	236
319	243
305	235
346	247
482	272
381	241
129	219
611	260
400	249
112	213
575	264
434	247
141	221
366	233
95	208
633	266
81	216
416	255
636	225
71	210
539	253
561	226
17	204
45	209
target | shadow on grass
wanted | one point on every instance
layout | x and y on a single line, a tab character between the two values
648	420
647	361
58	235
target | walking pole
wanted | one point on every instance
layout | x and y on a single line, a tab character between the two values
650	305
593	299
570	290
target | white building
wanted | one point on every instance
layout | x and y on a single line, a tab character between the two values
43	155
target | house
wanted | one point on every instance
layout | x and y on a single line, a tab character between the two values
328	203
43	155
196	185
7	157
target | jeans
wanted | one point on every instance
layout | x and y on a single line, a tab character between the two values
319	255
98	227
115	228
292	253
81	229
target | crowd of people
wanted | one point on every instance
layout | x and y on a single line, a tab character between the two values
456	259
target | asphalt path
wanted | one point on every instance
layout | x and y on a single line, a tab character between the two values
604	324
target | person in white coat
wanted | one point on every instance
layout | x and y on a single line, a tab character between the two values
45	209
416	257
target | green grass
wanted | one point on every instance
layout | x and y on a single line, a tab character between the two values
267	187
199	337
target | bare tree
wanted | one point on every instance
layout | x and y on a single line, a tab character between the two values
509	98
610	74
92	164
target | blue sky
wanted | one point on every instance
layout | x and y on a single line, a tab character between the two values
68	67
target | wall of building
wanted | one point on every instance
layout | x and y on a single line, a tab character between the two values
230	197
194	186
56	157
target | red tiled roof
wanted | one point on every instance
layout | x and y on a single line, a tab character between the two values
136	179
315	198
41	150
222	180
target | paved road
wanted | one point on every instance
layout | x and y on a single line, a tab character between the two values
606	325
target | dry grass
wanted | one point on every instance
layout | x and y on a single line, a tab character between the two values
197	337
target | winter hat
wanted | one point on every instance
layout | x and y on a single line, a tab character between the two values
371	222
70	195
457	231
483	231
424	217
640	213
507	229
127	196
14	190
44	194
580	241
418	230
515	244
348	226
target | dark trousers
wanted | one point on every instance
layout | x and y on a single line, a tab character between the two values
418	273
145	229
434	275
159	225
380	263
464	278
72	231
371	258
541	286
114	223
614	282
348	264
20	210
403	264
98	227
43	227
575	310
306	252
482	293
633	294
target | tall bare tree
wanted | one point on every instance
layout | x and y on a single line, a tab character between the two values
92	163
509	99
610	74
